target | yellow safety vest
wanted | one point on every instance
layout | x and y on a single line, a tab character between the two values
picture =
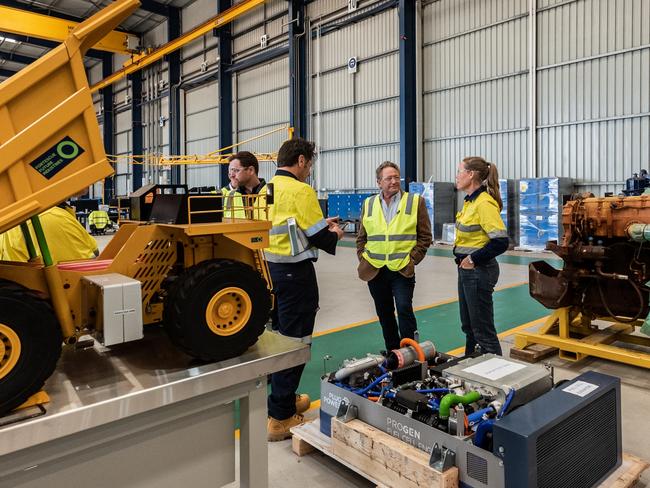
98	218
66	239
295	215
233	204
391	244
477	223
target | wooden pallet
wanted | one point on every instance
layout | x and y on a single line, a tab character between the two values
373	454
533	353
377	456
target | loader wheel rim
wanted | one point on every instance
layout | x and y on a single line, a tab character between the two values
228	311
9	350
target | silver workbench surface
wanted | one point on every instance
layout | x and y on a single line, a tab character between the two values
96	386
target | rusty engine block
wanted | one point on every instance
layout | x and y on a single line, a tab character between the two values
606	254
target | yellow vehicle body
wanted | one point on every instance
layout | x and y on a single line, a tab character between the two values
207	283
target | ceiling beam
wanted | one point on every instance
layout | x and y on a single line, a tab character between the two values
6	72
154	7
138	62
16	58
22	22
34	41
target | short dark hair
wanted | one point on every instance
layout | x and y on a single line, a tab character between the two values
292	149
383	166
247	159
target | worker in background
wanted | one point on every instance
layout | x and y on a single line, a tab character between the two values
66	239
246	169
298	231
393	238
233	204
480	237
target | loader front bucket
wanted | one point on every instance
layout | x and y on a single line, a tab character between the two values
50	144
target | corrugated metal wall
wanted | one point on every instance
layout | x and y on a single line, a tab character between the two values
261	104
593	97
355	117
591	110
200	128
475	85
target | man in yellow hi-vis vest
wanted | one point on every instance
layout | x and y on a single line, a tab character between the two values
394	236
298	231
233	203
245	166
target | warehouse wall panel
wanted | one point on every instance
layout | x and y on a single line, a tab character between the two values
594	105
201	132
355	117
262	105
475	85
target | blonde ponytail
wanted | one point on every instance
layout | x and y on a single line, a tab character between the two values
487	176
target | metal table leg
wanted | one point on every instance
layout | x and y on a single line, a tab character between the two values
253	459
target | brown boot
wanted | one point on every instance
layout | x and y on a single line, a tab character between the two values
302	402
278	430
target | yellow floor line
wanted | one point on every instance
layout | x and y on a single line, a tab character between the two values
416	309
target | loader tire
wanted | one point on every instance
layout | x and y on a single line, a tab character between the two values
217	309
30	344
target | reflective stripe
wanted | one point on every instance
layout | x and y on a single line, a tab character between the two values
279	229
371	203
403	237
374	255
468	228
311	253
497	233
317	227
465	250
391	257
229	199
378	237
409	203
398	255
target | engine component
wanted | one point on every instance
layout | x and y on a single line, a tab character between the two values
603	259
495	377
362	365
398	358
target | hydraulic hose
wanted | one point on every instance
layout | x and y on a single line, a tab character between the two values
452	399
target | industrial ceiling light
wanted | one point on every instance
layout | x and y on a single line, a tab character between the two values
7	39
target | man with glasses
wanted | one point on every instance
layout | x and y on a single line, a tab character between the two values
394	237
298	231
243	171
233	203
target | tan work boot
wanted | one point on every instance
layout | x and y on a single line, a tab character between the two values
278	430
302	402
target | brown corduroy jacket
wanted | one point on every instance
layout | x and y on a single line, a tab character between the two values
367	271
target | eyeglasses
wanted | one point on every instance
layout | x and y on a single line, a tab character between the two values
235	170
391	178
461	171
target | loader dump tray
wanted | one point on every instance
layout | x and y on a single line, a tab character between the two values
50	144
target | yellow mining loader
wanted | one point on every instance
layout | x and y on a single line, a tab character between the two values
189	266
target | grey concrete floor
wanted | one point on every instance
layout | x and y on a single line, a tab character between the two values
344	299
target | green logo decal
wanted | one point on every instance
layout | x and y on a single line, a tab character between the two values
57	157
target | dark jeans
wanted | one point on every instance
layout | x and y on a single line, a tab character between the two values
475	288
296	302
390	289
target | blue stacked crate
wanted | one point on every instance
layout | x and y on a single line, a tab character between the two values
540	208
440	201
346	206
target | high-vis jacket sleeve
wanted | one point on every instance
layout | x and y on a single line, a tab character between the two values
492	224
310	216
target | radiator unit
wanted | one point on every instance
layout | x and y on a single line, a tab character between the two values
570	436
